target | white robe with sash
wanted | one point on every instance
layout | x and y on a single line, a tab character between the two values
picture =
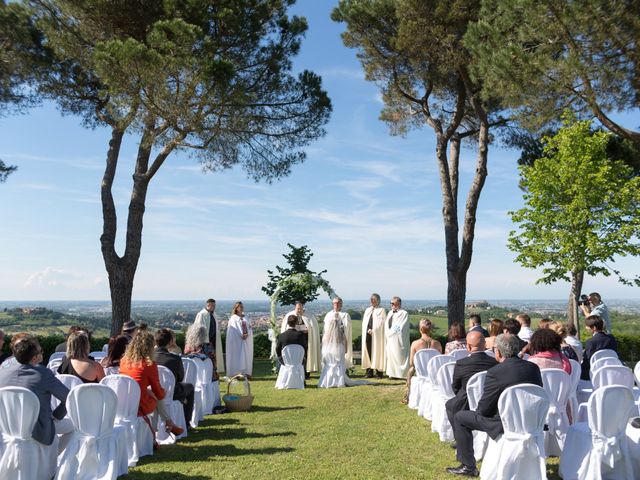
346	321
202	318
239	350
375	358
314	354
398	344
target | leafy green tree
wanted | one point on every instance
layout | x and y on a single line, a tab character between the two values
413	50
581	210
209	77
542	57
300	291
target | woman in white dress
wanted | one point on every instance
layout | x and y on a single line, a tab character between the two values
334	346
239	343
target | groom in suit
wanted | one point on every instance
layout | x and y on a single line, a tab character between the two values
510	371
291	336
598	341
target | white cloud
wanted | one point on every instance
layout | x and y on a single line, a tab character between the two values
55	278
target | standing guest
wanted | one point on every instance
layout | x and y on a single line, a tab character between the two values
425	341
3	356
182	391
465	368
137	363
566	349
510	371
77	361
525	326
544	323
373	349
115	351
398	342
239	343
129	329
457	338
345	321
595	306
475	325
213	347
309	327
291	336
598	341
495	328
512	327
572	339
28	373
544	350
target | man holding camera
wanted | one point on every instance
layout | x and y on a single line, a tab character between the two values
593	305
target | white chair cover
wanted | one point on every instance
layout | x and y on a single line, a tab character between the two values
460	353
191	376
491	353
419	382
204	387
54	364
601	354
613	375
174	407
291	374
57	356
576	369
69	381
636	373
112	371
440	422
105	348
519	452
557	383
600	449
138	435
22	457
429	402
96	449
475	388
602	362
98	355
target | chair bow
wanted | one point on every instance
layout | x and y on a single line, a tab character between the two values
608	447
529	441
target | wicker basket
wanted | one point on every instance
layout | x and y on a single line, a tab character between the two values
238	403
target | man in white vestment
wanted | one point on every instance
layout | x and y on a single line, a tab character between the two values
213	349
309	326
373	338
396	328
336	313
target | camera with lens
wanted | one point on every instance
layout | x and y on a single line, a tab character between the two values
584	300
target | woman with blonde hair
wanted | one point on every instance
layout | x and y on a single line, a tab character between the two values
425	341
239	343
495	328
137	363
565	348
77	361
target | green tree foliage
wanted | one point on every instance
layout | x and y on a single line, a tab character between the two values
6	170
300	291
581	209
212	78
542	57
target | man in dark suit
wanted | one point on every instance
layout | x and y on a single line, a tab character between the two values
598	341
475	325
291	336
510	371
465	368
183	392
512	327
28	373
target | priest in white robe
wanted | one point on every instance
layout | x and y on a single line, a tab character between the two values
309	326
397	333
344	317
207	319
239	343
373	338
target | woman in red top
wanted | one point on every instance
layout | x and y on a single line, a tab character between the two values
136	363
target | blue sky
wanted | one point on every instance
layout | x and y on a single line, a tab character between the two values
366	203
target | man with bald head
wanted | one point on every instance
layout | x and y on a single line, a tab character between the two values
465	368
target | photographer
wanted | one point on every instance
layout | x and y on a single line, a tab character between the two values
593	305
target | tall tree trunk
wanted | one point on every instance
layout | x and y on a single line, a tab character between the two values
573	316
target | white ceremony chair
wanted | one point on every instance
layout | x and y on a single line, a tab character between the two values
636	373
601	354
460	353
105	348
22	457
576	370
57	356
440	422
605	376
557	383
603	362
291	374
111	371
599	449
491	353
428	398
475	388
519	452
96	450
138	436
204	386
174	407
191	376
98	355
420	381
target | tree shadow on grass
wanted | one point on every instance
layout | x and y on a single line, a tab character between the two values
181	453
164	476
264	408
217	421
231	434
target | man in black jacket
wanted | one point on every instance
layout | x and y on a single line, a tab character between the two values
510	371
465	368
290	336
182	392
598	341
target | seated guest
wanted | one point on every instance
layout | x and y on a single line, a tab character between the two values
512	327
598	341
525	326
425	341
572	339
115	350
173	346
183	392
566	349
77	361
291	336
475	325
11	360
510	371
544	323
138	364
3	356
129	329
456	338
62	347
465	368
544	350
195	341
28	373
495	328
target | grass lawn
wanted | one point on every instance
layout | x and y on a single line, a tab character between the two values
357	432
